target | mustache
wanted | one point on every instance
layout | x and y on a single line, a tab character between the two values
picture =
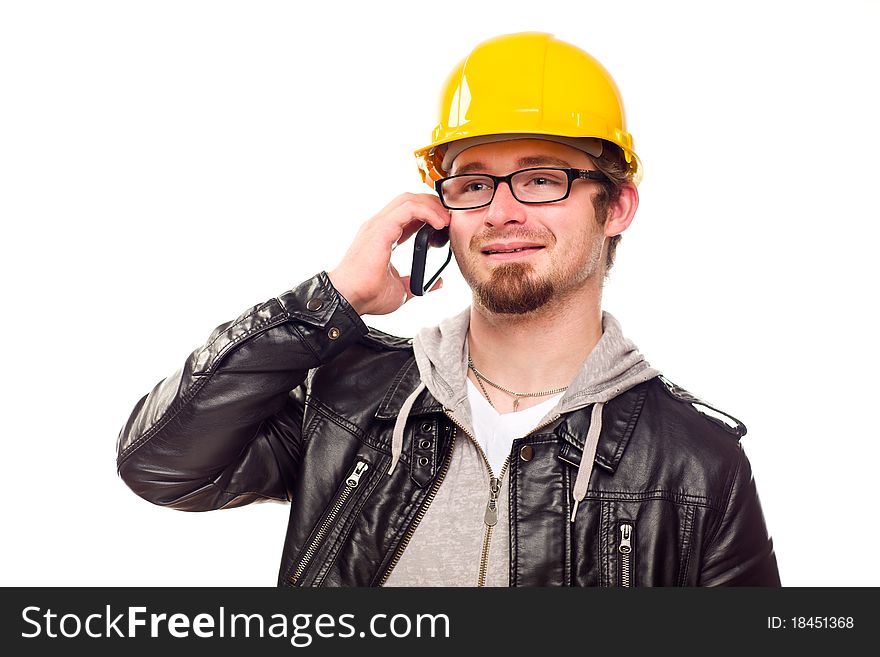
487	237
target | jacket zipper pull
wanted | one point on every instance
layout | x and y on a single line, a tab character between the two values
355	477
492	508
625	549
625	539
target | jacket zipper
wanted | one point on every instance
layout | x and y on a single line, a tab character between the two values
421	514
350	484
625	549
491	517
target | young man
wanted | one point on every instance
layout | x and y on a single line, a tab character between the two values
525	441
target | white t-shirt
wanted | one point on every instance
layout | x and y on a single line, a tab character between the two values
495	432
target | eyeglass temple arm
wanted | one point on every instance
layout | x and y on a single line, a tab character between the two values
583	174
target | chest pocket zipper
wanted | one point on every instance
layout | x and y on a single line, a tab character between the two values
625	545
351	483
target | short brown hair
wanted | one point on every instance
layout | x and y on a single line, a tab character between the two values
614	165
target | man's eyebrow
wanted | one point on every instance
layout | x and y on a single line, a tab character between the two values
535	161
467	168
541	160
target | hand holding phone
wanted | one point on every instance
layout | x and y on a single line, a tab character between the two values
366	277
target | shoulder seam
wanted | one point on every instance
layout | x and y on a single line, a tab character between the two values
386	340
737	429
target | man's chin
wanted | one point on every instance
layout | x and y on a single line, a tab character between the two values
512	289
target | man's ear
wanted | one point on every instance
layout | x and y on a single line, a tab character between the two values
622	211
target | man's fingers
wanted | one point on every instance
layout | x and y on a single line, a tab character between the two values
422	211
410	207
409	230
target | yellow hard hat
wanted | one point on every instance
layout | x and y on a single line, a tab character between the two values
527	84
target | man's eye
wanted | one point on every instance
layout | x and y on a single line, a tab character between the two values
475	186
542	181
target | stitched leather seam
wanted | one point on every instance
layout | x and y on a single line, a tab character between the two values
172	411
567	570
374	338
250	492
319	407
392	389
297	334
274	457
688	498
169	414
726	506
344	307
242	320
269	323
630	425
324	411
312	426
537	440
686	543
676	498
688	398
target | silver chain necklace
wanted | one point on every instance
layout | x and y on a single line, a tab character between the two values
515	395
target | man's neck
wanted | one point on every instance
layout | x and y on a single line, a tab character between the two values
537	351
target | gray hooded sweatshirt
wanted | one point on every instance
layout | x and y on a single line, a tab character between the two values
446	547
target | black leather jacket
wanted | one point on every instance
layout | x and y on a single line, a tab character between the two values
290	400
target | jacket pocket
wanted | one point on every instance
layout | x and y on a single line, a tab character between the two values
329	518
626	553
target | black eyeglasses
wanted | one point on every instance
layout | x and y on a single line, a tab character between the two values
468	191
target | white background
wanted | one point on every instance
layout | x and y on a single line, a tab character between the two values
163	167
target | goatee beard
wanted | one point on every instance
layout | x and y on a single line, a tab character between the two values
511	290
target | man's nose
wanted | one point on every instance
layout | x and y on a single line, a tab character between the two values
504	208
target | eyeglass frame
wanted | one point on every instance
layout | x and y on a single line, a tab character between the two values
571	172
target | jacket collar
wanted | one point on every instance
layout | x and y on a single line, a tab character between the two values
618	417
402	385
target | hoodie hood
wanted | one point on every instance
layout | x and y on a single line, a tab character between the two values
611	368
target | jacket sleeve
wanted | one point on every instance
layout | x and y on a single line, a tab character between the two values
741	551
226	429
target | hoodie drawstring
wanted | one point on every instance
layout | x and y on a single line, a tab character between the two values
400	423
587	457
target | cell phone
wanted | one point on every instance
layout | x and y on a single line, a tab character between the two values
426	238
